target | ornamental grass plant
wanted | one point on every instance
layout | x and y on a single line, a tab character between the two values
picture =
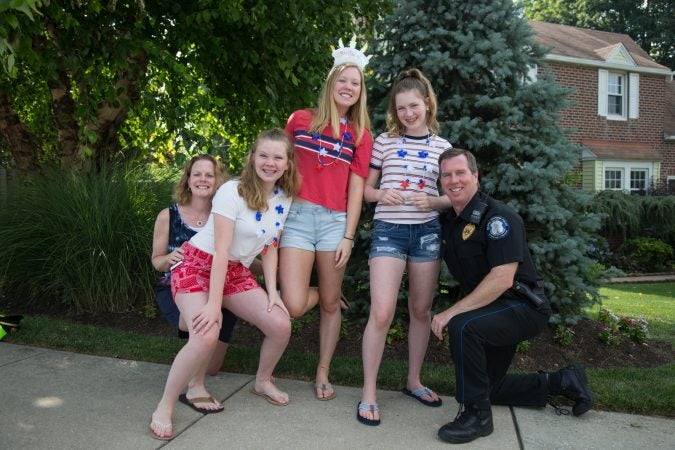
81	239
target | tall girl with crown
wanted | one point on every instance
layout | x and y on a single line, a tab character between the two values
246	219
333	145
406	233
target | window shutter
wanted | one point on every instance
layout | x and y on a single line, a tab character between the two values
532	74
633	96
602	92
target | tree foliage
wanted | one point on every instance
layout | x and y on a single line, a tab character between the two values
101	79
651	23
10	32
476	54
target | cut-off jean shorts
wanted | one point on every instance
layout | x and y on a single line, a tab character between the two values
313	227
418	243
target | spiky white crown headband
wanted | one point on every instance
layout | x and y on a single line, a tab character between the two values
351	54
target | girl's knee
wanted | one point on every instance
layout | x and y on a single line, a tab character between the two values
295	310
420	313
280	327
295	304
330	306
381	320
203	345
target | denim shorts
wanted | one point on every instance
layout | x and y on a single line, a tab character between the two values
420	242
313	227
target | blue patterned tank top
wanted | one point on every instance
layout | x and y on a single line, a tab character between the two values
179	231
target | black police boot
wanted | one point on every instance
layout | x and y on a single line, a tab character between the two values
572	383
472	422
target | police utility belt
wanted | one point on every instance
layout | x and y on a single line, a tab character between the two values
535	295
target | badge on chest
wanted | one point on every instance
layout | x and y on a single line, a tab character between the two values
468	231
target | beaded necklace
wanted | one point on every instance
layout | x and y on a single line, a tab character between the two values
323	152
422	154
262	232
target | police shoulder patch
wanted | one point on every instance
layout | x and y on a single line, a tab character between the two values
497	228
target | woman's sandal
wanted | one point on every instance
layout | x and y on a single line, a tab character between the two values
323	387
363	406
417	394
163	427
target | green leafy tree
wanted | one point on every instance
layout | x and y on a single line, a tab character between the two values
477	54
10	32
98	80
651	23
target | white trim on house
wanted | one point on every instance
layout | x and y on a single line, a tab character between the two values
608	65
628	93
531	76
633	95
625	168
603	75
620	55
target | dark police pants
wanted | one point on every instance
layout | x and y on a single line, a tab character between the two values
482	345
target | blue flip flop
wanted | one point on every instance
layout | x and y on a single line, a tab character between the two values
363	406
417	394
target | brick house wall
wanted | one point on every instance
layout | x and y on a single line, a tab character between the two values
582	115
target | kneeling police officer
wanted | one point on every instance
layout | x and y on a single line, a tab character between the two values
485	249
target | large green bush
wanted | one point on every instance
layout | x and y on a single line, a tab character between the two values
81	240
650	254
633	216
621	212
641	230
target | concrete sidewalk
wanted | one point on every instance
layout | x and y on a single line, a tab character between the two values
650	278
59	400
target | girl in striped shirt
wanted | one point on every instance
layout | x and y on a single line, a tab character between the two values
406	232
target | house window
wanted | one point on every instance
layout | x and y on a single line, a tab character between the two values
638	180
618	95
613	179
615	94
628	176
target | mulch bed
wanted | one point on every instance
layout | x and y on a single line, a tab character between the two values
543	353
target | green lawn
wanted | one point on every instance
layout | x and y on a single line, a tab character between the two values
653	301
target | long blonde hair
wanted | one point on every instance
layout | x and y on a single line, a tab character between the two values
327	109
251	187
408	80
182	193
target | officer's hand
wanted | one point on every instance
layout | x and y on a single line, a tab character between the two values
420	200
439	322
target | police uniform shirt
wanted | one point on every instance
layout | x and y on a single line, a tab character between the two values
487	233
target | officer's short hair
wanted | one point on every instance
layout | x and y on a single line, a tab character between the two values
453	152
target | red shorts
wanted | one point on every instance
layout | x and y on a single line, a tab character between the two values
195	273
